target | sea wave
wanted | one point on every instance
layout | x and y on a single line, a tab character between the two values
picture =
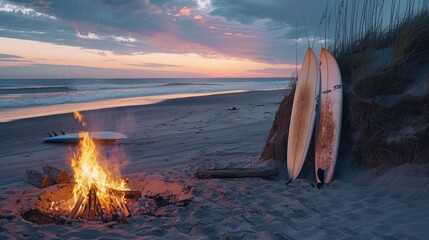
19	97
89	96
136	86
33	89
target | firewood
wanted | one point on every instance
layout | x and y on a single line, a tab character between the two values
92	202
57	175
125	209
76	207
129	194
37	178
264	172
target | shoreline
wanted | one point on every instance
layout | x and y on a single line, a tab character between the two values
9	115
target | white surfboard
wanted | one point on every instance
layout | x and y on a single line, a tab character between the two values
98	136
329	125
303	114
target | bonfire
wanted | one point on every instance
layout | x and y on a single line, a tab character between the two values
98	194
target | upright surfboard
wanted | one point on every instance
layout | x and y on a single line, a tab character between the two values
329	125
303	114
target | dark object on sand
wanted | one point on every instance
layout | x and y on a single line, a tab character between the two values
264	172
232	109
37	178
57	175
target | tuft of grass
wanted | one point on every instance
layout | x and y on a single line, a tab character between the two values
411	39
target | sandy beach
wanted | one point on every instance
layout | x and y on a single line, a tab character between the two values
169	141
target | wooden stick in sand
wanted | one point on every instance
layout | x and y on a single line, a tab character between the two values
57	175
265	172
37	178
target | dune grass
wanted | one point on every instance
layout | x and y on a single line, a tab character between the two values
370	118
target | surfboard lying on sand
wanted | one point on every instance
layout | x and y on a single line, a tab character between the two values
329	125
98	136
303	114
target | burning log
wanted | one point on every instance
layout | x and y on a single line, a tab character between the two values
37	178
128	194
76	207
57	175
92	202
238	173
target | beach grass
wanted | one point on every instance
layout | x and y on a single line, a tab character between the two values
378	66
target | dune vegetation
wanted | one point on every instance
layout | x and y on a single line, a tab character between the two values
385	72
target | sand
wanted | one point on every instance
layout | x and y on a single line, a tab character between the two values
169	141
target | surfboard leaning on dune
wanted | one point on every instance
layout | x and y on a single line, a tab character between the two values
303	114
329	124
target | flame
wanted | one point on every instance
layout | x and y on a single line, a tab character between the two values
79	117
88	172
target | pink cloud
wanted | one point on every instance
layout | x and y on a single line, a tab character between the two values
198	17
185	11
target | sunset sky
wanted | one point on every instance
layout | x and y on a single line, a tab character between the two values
154	38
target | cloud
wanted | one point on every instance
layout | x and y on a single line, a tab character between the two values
185	11
45	71
12	58
124	39
154	65
89	35
246	29
21	31
280	11
8	56
22	10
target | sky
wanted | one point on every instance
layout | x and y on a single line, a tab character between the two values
155	38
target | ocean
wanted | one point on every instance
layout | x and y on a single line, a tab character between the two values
20	95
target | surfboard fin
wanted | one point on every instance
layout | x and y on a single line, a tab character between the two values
321	177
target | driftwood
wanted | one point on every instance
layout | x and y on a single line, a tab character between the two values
264	172
57	175
37	178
